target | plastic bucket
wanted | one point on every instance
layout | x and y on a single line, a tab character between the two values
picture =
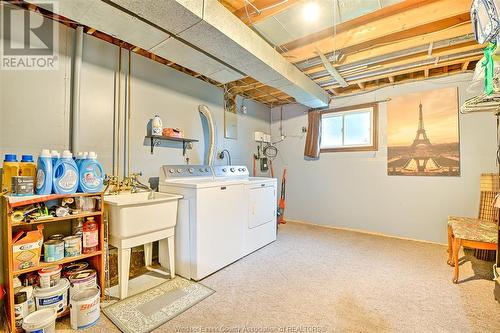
85	308
41	321
82	280
55	297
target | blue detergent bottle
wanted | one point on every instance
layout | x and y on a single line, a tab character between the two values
91	174
44	173
65	175
55	156
79	159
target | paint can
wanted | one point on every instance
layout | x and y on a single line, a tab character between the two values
72	246
53	250
41	321
55	297
73	268
49	276
82	280
56	237
85	308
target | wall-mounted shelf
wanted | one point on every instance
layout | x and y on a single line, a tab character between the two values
156	139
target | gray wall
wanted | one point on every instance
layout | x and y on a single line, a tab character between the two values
352	190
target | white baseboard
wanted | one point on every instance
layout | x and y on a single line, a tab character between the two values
362	231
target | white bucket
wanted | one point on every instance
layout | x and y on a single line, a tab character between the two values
55	297
41	321
85	308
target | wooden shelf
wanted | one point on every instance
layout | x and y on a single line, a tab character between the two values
14	201
57	219
65	260
155	139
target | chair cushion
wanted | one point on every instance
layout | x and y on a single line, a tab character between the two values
473	229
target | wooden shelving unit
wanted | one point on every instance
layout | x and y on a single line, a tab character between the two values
95	259
156	139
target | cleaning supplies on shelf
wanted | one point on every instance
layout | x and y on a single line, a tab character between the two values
65	175
91	174
54	155
44	173
27	166
156	126
26	248
10	169
90	236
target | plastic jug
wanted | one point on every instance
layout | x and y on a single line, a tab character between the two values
55	156
79	159
27	166
65	179
10	169
156	126
44	173
91	175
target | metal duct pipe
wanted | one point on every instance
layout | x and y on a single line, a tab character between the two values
75	90
402	67
209	153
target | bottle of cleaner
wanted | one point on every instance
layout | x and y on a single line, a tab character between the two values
44	173
65	175
79	159
27	166
156	126
91	175
55	156
10	169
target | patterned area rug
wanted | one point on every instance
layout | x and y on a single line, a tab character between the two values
146	311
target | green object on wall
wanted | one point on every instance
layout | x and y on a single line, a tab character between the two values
488	65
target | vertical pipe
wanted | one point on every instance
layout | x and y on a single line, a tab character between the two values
126	165
75	93
116	116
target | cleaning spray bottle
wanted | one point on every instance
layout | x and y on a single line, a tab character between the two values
44	173
65	179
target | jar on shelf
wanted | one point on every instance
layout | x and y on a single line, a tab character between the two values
90	236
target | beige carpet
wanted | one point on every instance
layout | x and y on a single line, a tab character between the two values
317	279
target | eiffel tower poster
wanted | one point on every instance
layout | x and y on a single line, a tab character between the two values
423	134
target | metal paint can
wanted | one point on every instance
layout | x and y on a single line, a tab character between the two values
75	267
56	237
50	276
85	308
53	250
72	246
82	280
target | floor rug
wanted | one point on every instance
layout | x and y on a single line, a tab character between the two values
152	308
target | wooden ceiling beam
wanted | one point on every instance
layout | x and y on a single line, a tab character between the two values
423	19
271	7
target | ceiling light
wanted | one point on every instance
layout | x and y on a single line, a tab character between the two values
311	11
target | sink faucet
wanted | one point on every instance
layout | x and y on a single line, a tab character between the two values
136	185
113	185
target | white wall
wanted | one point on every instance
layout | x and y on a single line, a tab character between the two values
352	190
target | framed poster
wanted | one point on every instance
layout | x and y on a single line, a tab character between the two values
423	134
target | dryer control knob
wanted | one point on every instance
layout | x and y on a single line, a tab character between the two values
179	170
207	169
191	170
201	169
224	170
240	169
233	169
171	170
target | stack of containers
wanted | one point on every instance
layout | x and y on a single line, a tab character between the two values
18	177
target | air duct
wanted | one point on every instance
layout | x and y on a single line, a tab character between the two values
201	35
210	146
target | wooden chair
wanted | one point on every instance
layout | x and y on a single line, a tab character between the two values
478	233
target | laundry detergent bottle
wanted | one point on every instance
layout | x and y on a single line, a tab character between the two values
27	166
44	173
65	175
55	156
91	174
10	169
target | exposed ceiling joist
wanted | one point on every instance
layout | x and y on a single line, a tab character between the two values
266	8
423	19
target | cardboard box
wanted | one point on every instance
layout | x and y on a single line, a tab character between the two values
27	248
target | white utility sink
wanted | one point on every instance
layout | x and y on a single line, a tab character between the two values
139	219
133	214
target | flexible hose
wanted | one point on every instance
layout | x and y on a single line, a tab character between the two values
209	156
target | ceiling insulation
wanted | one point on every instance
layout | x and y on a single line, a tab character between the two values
200	35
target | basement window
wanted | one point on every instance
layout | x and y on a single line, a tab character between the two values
351	128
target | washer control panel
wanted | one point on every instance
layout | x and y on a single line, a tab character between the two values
185	171
230	171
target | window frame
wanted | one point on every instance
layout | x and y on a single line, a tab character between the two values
354	108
